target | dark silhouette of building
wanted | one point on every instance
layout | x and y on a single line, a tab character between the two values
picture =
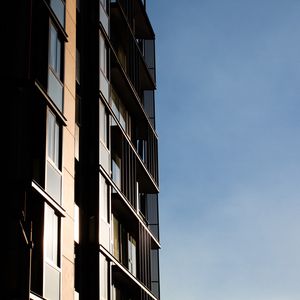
80	187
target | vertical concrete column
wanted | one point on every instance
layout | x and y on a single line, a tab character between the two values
68	153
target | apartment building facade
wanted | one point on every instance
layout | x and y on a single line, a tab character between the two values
80	147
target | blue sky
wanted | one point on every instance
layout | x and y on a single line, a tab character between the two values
228	119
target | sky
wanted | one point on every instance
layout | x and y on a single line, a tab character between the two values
228	120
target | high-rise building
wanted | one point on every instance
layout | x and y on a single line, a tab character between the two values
80	187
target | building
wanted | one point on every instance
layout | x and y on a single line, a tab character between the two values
80	187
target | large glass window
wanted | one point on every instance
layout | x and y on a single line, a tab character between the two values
55	73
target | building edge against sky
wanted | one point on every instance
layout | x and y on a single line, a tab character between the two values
80	151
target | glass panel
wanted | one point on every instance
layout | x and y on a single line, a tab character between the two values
154	272
103	199
115	103
52	283
122	116
48	232
104	86
104	3
104	18
53	184
116	171
55	90
58	7
152	213
124	246
52	51
55	51
150	56
105	158
103	55
53	138
149	105
51	235
58	58
132	255
116	249
155	288
103	118
51	135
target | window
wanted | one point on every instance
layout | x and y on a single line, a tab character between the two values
58	7
131	255
53	173
103	65
52	269
116	170
104	138
53	138
120	112
55	74
141	146
124	246
103	55
55	51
